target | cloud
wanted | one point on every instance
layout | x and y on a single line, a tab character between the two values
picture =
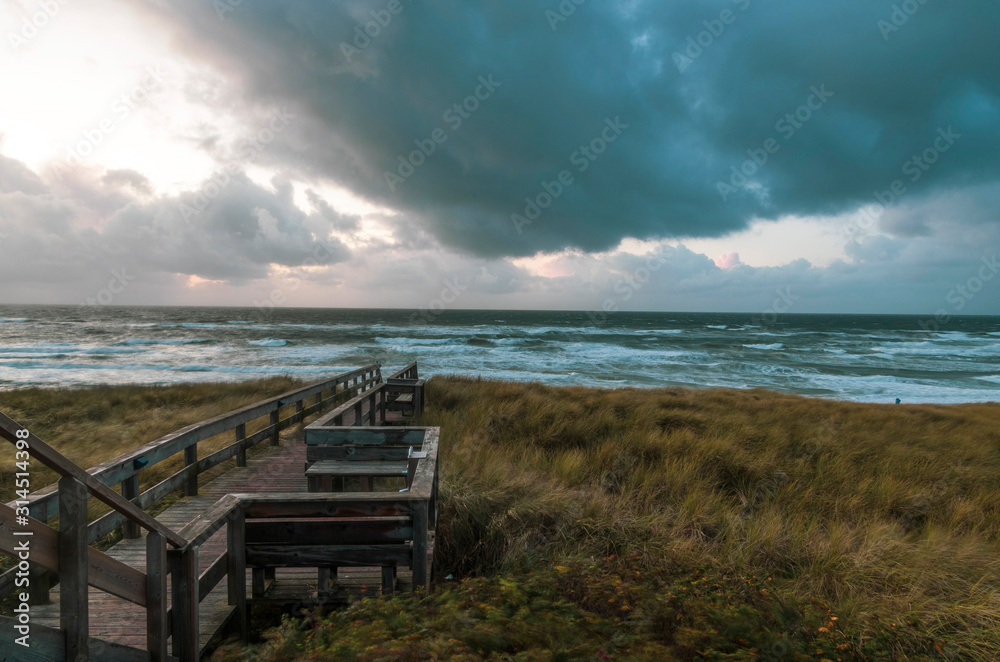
364	109
727	261
75	231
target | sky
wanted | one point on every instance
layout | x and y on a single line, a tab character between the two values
724	155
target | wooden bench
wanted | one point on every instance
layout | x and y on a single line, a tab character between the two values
405	396
328	543
329	475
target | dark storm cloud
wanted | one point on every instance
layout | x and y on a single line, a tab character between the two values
692	111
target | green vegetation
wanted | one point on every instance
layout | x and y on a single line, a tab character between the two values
658	524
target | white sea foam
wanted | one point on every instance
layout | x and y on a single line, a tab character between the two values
269	342
145	341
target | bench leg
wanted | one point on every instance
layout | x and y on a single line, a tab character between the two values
388	579
258	582
367	484
326	580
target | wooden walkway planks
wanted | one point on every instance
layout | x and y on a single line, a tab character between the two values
273	469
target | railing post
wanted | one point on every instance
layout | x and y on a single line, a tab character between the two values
419	544
190	460
156	596
38	588
237	572
372	410
74	596
241	448
274	425
184	608
383	402
358	413
130	490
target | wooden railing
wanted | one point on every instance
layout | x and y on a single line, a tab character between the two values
314	533
67	551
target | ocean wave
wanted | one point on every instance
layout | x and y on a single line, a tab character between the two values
238	322
146	341
269	342
776	345
13	320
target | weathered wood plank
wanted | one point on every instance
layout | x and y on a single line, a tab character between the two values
58	463
373	436
364	468
184	607
130	490
359	453
327	531
156	597
47	645
207	523
216	458
191	470
74	592
344	504
104	572
237	572
420	540
276	555
211	577
241	449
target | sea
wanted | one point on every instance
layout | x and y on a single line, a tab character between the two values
865	358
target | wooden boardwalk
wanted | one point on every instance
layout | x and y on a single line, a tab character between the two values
273	470
248	522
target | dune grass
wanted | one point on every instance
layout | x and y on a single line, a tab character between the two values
733	525
826	530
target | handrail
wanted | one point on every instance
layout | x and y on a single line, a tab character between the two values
409	372
124	467
107	573
67	553
58	462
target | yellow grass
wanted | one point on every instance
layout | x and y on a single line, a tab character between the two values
887	511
